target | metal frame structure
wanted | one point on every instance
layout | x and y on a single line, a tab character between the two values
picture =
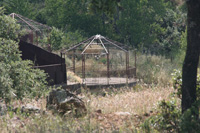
106	44
32	26
51	63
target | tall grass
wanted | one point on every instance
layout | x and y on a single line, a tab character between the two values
156	70
135	103
104	111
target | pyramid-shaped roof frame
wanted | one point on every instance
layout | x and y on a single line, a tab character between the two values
97	40
30	24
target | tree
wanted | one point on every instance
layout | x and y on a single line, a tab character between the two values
189	74
17	77
55	38
22	7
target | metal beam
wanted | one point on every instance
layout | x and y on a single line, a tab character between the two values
103	46
88	46
19	16
115	45
76	45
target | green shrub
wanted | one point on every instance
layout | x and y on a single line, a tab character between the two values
189	123
17	77
56	37
167	119
71	38
177	83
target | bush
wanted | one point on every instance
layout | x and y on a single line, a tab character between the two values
167	119
56	37
177	83
17	77
72	38
188	121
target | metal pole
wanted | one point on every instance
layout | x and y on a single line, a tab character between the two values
128	64
84	65
127	67
74	67
36	38
83	68
66	68
135	62
61	63
108	71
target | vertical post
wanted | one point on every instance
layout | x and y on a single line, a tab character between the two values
13	15
31	37
127	67
36	38
108	71
64	56
84	65
128	64
65	68
83	68
135	62
61	63
74	67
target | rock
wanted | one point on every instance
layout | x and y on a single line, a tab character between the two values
122	113
30	109
98	111
64	101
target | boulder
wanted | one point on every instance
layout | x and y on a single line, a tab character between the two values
64	102
28	109
31	109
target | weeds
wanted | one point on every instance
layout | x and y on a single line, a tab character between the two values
155	69
120	110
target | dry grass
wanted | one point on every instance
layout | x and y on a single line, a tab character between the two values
72	77
119	110
134	102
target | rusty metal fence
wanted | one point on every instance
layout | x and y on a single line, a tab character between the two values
51	63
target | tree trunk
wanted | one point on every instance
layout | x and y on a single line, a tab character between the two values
191	61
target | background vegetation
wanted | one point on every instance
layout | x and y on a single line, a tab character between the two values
156	28
17	77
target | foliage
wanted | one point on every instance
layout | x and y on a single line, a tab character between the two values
177	83
167	118
22	7
17	77
154	26
8	28
189	122
55	38
168	36
71	38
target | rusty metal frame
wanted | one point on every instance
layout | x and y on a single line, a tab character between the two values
108	68
83	68
74	62
107	42
26	21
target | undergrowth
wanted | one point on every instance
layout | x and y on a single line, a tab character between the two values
152	69
121	110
